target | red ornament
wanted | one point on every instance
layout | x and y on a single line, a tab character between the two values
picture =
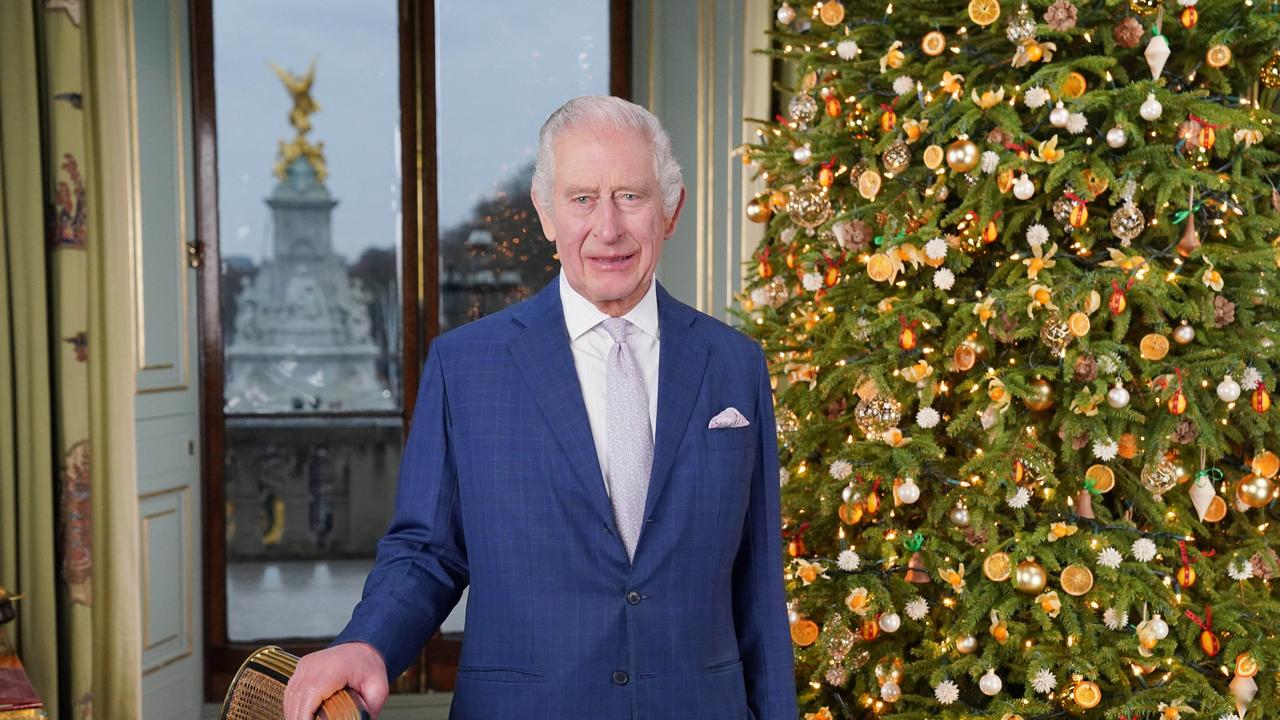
1261	400
1118	302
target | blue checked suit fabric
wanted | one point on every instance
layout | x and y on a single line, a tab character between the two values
630	442
501	491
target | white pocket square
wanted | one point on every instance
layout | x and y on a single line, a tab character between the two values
728	418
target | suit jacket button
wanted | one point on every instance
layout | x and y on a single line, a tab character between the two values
633	597
620	678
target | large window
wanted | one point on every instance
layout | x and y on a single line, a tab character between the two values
372	189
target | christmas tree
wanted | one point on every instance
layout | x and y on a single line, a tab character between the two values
1019	294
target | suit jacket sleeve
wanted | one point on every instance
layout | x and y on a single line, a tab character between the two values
759	598
421	567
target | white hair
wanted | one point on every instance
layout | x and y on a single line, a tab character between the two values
618	114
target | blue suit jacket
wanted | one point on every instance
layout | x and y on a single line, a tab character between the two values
500	488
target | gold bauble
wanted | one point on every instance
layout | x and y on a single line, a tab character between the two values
962	155
1030	577
1159	476
809	206
1041	397
1266	464
1076	579
876	415
1255	490
1055	333
997	567
1144	7
897	157
758	210
1270	72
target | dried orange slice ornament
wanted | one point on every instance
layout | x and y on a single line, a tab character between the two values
933	43
984	12
879	267
1075	85
1079	324
1218	56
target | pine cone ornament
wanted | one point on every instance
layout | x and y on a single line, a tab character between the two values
1061	16
1003	327
1086	369
1128	33
1186	433
853	235
1080	441
999	137
836	408
1224	311
1264	567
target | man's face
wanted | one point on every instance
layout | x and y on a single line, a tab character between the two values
605	215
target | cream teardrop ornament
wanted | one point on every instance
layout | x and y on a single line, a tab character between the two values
1157	54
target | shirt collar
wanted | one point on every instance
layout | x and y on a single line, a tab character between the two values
580	315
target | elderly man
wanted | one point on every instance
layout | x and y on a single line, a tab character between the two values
599	464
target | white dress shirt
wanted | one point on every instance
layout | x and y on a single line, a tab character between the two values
591	346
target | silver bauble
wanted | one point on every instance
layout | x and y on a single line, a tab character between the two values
908	492
1127	222
1159	627
890	622
786	14
1184	334
890	692
1117	137
1062	212
1059	116
803	108
877	415
990	684
1022	27
1023	189
960	516
1151	108
802	155
966	644
1118	397
1228	389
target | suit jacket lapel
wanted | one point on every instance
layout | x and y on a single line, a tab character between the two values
682	359
543	354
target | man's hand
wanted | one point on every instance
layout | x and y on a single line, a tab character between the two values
356	665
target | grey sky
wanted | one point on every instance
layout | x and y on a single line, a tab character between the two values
502	67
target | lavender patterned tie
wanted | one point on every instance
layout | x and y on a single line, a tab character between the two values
630	443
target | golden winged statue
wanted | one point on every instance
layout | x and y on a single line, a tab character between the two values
299	88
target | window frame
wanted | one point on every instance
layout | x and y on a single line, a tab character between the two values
420	284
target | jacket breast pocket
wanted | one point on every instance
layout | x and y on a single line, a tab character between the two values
728	439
